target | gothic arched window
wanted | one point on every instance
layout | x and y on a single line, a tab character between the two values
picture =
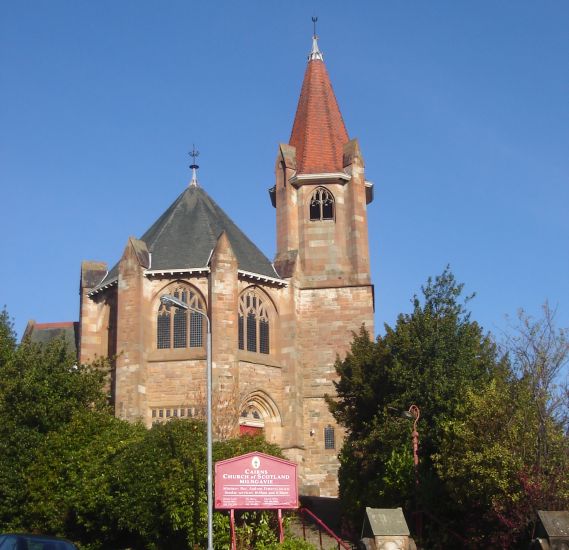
321	205
177	327
254	333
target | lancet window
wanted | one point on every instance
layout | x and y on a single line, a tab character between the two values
321	205
177	327
254	323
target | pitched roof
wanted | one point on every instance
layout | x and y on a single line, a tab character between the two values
43	333
186	233
318	132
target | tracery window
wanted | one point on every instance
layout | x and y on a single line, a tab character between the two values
254	333
177	327
251	421
321	205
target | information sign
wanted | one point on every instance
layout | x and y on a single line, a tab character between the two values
255	480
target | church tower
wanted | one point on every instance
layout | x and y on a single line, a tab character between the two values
321	198
277	328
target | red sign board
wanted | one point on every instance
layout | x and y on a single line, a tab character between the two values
255	480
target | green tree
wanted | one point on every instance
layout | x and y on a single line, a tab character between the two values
539	353
431	358
69	467
505	454
69	483
41	388
159	490
7	340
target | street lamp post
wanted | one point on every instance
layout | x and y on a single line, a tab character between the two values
414	413
173	301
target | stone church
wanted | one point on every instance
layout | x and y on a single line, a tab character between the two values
277	327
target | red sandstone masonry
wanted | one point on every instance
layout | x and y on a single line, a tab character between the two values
130	398
92	339
223	296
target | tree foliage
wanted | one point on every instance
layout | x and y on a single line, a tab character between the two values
493	441
69	467
70	483
431	358
505	455
41	388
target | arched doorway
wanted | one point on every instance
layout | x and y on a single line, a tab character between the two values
260	415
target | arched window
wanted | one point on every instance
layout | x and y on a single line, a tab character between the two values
321	205
254	333
177	327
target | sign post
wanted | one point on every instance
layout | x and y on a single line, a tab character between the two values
255	481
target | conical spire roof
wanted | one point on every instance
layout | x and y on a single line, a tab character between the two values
186	233
318	132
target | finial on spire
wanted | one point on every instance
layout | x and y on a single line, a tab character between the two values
315	53
194	154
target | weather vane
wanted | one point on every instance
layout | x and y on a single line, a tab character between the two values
194	154
314	19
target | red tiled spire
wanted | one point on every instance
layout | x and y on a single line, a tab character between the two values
318	132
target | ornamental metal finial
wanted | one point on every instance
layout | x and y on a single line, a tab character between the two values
194	154
315	53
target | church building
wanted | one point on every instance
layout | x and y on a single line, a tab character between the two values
277	327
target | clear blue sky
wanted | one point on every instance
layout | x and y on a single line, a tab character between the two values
461	109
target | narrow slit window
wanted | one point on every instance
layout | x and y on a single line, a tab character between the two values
241	332
329	438
196	330
264	336
163	328
180	328
251	331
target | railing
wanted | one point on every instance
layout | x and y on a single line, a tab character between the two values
322	525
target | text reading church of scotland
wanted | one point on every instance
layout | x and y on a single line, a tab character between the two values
276	327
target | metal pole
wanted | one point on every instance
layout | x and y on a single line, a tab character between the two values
280	517
209	442
232	519
416	413
173	301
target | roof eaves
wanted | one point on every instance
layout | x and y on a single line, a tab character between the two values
262	278
96	290
175	271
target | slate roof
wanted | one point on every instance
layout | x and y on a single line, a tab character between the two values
43	333
318	131
185	234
